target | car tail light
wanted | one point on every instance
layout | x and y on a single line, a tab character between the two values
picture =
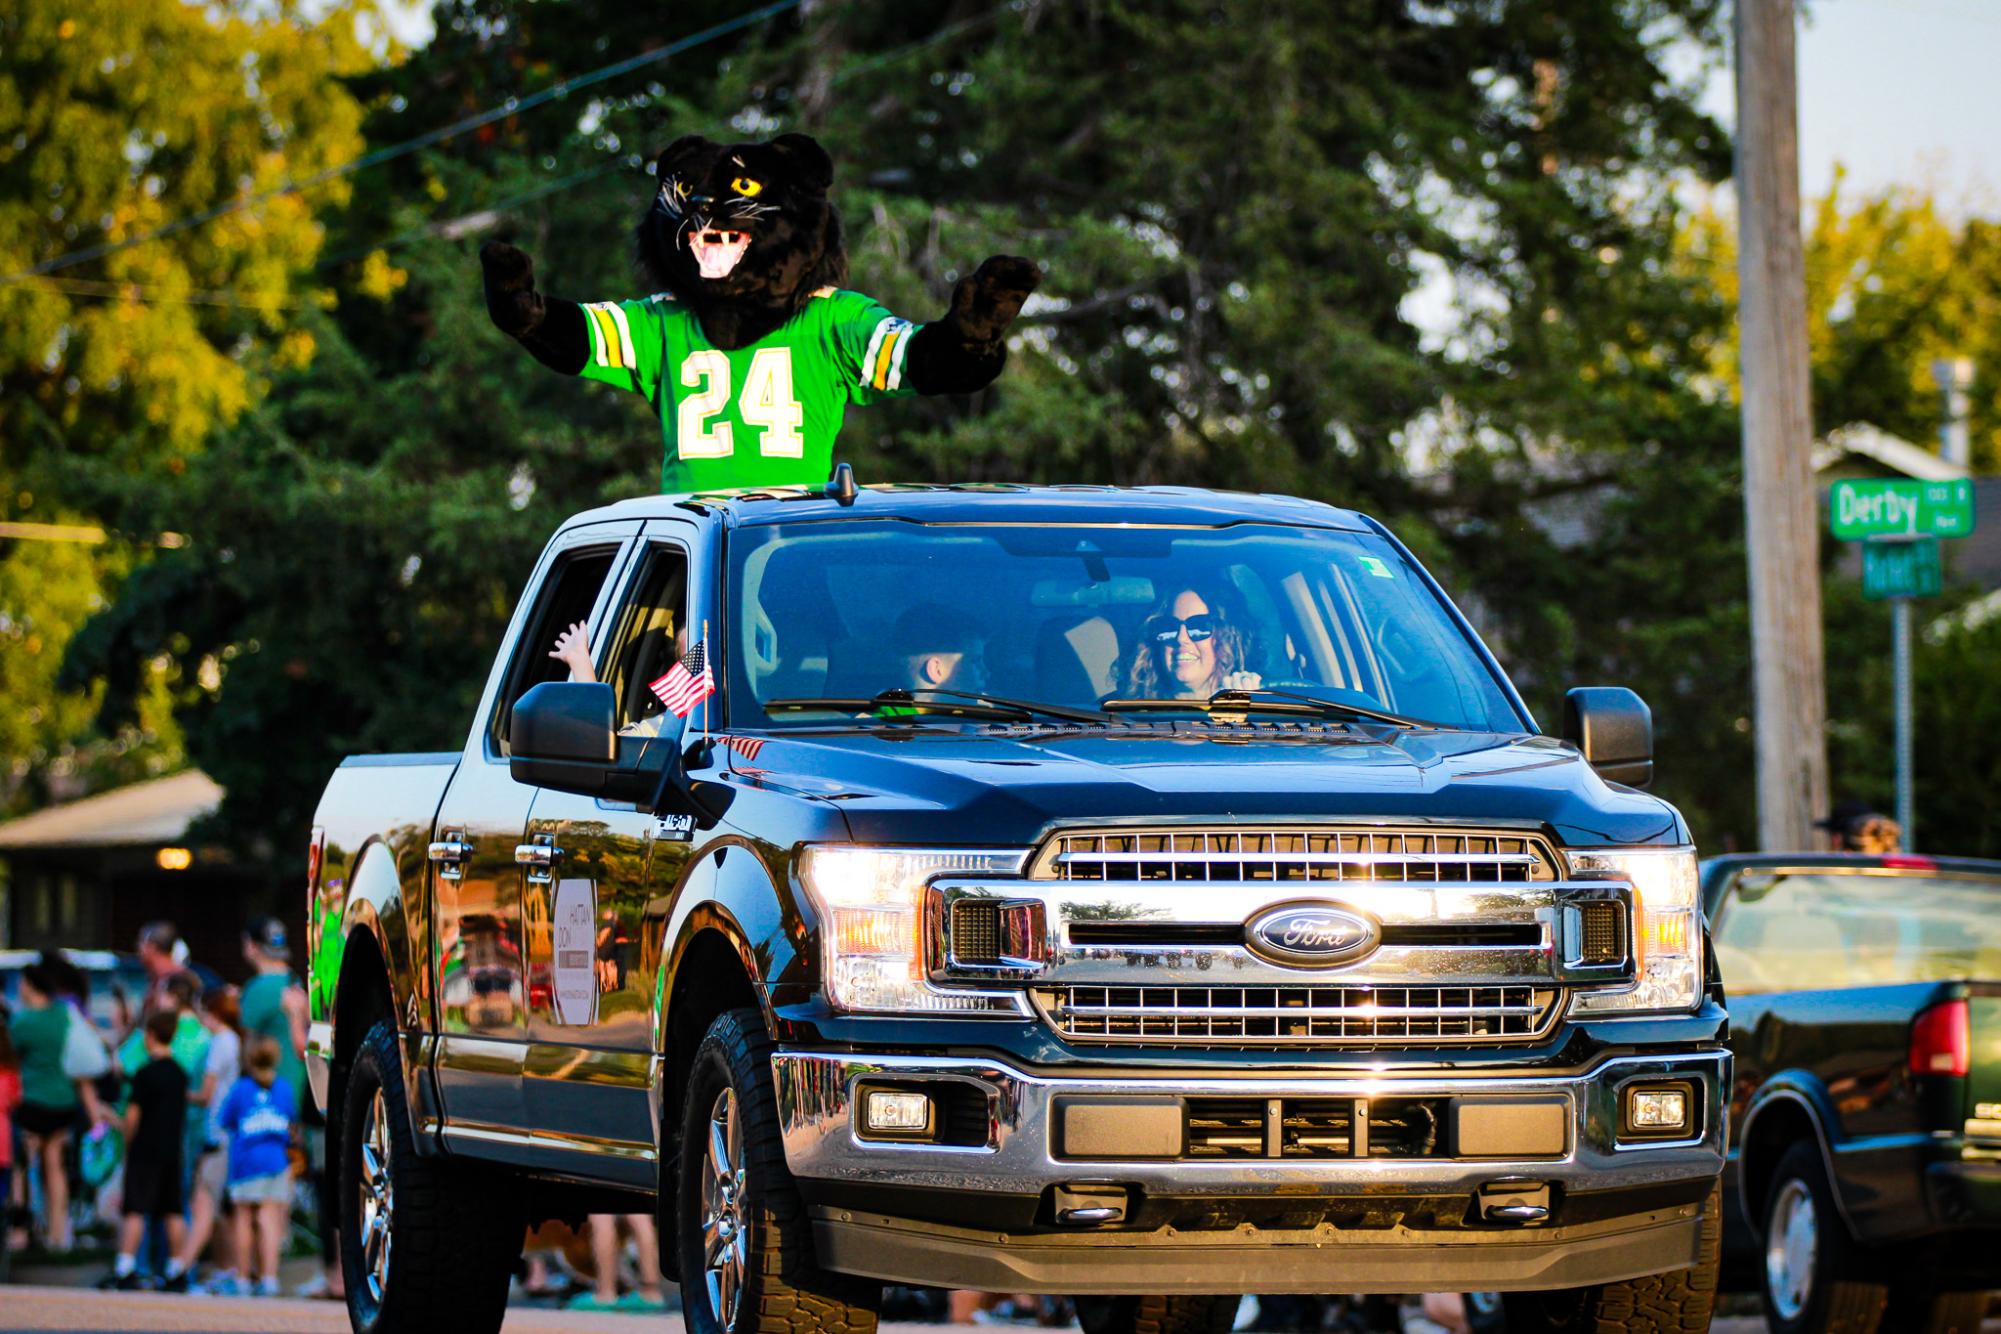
1908	861
1942	1040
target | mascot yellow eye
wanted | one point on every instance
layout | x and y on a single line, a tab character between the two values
681	189
746	187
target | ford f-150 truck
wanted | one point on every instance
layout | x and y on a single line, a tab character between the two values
1145	895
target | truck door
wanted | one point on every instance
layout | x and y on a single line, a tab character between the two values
475	866
596	911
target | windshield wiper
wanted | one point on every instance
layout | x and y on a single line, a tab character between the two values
1266	701
917	701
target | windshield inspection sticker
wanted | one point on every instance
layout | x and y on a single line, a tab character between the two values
576	976
1374	565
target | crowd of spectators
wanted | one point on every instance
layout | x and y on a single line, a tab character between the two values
182	1123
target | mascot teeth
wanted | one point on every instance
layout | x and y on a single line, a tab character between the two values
716	252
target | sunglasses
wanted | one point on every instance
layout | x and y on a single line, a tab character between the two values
1164	630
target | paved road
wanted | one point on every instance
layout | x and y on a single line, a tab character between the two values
89	1312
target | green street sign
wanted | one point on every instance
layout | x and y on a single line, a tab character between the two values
1863	507
1900	569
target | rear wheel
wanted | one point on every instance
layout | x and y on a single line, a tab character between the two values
424	1244
1679	1300
1810	1264
1918	1310
1156	1315
746	1251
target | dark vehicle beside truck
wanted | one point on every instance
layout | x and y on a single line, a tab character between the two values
1342	979
1865	998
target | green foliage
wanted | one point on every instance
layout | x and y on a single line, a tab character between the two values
123	115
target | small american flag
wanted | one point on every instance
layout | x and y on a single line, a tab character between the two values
687	683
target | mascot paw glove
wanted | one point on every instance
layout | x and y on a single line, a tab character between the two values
511	299
986	301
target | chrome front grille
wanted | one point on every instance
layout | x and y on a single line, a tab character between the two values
1304	856
1372	1016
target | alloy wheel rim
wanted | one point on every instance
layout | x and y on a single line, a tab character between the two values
377	1197
1792	1247
725	1245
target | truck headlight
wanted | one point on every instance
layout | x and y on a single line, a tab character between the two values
871	907
1667	927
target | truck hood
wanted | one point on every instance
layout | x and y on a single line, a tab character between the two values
1008	786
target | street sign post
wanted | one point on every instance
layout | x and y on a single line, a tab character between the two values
1862	508
1901	569
1899	521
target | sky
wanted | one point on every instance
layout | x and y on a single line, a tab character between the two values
1900	92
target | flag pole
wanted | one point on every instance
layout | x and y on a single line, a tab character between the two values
707	667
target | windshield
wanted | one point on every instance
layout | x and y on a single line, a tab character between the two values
1074	616
1806	931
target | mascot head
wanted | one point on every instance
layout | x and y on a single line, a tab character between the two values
743	232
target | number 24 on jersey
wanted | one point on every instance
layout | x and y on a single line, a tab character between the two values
767	402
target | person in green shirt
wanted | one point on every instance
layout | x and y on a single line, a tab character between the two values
274	1003
49	1100
751	350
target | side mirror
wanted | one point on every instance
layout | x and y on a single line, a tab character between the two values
1614	730
561	736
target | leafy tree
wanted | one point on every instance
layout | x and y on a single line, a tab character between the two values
122	116
1893	283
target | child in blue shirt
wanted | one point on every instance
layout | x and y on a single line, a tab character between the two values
258	1120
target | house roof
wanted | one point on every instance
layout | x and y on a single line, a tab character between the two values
157	811
1862	442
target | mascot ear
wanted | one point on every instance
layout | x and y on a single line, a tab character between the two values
687	146
803	154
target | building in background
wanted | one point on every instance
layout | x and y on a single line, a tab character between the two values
87	874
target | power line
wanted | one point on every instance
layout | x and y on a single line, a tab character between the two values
512	106
151	293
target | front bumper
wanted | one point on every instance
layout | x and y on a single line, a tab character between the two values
980	1215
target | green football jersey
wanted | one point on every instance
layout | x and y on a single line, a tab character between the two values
762	415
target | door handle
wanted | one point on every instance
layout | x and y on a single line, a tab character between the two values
451	853
538	858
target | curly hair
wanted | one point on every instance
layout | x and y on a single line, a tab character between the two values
1145	678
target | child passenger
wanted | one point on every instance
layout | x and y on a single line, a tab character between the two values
258	1120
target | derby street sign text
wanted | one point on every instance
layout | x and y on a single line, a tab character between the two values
1859	508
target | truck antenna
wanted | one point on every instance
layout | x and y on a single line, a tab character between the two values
841	487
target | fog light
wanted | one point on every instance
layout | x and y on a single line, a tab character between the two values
1658	1112
890	1112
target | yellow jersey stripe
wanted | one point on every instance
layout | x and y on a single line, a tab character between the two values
607	339
880	379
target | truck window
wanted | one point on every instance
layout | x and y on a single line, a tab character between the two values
1808	930
649	633
567	595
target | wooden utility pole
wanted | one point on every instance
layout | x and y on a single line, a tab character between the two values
1782	517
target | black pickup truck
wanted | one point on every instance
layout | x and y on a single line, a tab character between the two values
1145	895
1866	1113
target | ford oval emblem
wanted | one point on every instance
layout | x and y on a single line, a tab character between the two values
1313	935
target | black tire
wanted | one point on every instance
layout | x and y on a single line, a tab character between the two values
1157	1315
1916	1309
455	1231
780	1290
1680	1301
1838	1296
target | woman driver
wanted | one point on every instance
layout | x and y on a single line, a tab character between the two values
1190	649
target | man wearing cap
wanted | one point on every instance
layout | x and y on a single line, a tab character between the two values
274	1002
1856	826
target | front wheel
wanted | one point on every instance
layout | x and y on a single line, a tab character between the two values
746	1249
424	1244
1681	1300
1810	1262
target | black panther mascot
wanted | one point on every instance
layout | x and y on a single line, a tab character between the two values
750	350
